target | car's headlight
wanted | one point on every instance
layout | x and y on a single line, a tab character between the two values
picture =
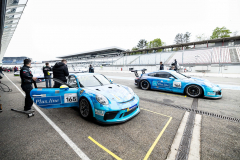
208	84
102	99
131	91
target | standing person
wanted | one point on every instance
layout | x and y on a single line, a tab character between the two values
175	62
161	66
91	70
47	75
60	71
1	70
26	83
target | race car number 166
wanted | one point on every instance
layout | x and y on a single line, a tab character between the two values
70	98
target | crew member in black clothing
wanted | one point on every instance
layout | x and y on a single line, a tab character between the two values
161	66
91	70
175	62
47	75
1	70
26	83
60	71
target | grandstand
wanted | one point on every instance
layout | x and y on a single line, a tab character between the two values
13	60
218	52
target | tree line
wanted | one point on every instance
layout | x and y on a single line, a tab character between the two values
182	38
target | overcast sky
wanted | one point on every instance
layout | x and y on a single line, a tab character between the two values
51	28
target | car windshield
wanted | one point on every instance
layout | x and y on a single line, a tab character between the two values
179	76
92	80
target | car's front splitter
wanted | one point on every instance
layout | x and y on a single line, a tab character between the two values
119	118
117	122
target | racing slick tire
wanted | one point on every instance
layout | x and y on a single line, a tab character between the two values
144	84
85	108
194	91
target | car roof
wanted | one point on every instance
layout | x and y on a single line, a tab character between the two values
163	71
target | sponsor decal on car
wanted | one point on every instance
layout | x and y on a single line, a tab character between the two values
81	92
154	83
44	101
70	98
99	112
177	84
130	108
211	93
162	84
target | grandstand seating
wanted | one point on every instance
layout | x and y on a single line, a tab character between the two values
238	51
190	56
13	60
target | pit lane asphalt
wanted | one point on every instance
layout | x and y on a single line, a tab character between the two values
34	138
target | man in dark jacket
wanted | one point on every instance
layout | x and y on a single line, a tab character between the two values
26	83
175	62
47	75
161	66
91	70
1	70
60	71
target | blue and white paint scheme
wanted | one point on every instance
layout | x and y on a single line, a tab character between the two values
172	81
94	95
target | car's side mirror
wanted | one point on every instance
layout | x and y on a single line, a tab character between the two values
171	78
64	87
111	81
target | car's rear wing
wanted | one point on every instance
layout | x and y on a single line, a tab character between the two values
136	71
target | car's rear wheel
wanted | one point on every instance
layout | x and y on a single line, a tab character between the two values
85	108
144	84
194	91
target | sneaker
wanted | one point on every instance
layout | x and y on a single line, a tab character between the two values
29	110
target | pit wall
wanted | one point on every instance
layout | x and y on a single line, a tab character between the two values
207	69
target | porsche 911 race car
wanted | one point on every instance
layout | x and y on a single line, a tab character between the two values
94	95
172	81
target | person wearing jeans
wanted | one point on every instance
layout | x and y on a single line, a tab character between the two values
47	75
48	81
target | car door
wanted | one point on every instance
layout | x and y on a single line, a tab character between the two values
57	97
176	85
161	81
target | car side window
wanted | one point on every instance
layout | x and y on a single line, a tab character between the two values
152	74
163	75
72	82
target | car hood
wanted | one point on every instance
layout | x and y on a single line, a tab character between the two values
114	92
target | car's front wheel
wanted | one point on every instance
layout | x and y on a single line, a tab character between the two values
194	91
145	84
85	108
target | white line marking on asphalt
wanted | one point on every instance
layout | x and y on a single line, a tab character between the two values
60	132
194	152
177	140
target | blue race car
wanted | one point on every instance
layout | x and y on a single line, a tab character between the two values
172	81
94	95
